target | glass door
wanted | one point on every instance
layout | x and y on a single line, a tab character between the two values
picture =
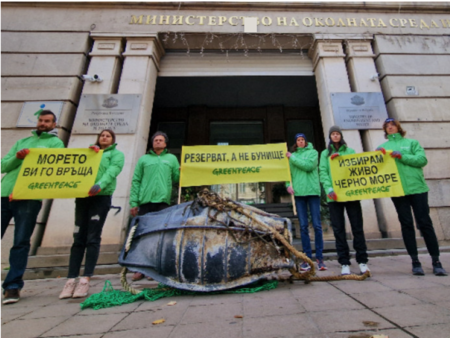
239	133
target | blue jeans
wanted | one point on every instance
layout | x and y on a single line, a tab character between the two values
25	213
302	202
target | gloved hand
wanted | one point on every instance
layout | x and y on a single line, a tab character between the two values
381	149
290	190
396	154
22	153
94	190
334	156
288	154
332	195
95	148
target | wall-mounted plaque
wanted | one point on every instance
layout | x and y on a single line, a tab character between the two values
359	110
118	112
30	112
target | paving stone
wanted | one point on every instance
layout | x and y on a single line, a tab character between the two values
414	282
386	299
86	325
54	310
279	326
143	319
216	329
211	313
418	314
31	327
347	320
182	301
261	308
156	331
323	303
435	331
351	287
432	295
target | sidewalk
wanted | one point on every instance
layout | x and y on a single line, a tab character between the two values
392	302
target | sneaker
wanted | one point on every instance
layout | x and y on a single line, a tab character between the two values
82	288
345	270
321	265
137	276
68	290
417	269
363	268
438	270
305	267
11	296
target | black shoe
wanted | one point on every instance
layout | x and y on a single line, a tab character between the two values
11	296
417	269
438	270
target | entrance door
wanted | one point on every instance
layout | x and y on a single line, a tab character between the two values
225	133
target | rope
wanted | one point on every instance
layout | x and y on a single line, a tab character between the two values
213	200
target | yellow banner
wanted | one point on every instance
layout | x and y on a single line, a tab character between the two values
205	165
365	176
57	173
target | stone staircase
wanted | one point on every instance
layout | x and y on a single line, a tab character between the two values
53	262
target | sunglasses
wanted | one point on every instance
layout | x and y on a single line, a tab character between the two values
389	120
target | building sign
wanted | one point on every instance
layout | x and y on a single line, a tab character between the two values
356	20
359	110
30	112
118	112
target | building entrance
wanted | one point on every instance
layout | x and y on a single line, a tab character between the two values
238	111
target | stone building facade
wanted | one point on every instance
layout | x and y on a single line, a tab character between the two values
196	65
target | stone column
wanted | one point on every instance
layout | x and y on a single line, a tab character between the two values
140	71
361	67
331	76
106	61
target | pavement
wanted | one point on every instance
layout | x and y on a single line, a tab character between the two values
392	303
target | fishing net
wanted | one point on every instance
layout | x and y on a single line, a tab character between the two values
110	297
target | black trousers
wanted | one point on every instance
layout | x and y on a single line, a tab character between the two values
90	216
151	207
421	210
354	213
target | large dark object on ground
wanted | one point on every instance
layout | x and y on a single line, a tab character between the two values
193	247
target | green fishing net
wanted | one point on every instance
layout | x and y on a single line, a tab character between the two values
110	297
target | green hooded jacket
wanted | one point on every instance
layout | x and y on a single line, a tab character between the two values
11	164
153	178
110	167
304	173
324	167
410	165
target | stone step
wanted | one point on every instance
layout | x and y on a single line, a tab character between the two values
372	244
61	272
59	250
47	261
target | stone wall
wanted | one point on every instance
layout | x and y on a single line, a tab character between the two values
424	63
40	66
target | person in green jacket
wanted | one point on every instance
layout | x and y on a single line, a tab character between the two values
154	175
304	161
90	216
338	147
410	158
24	212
